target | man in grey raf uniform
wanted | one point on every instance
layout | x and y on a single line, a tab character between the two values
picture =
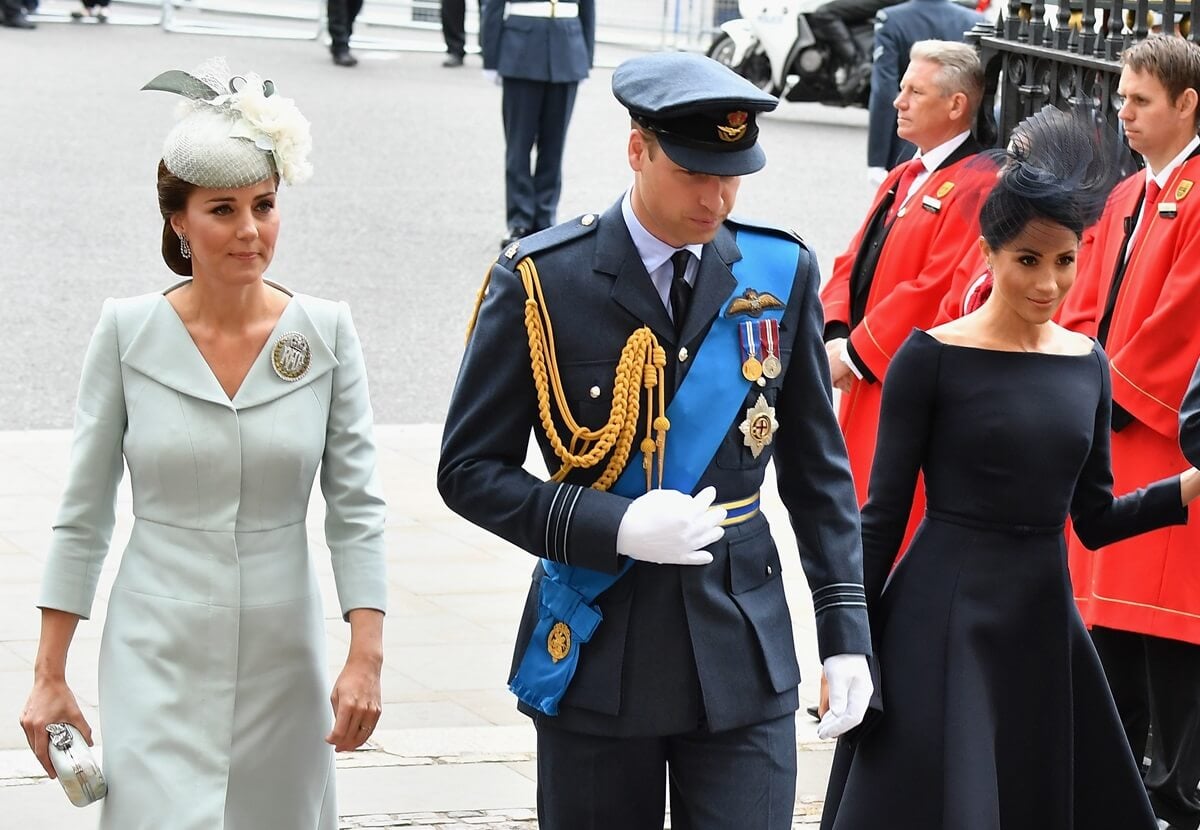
664	353
541	51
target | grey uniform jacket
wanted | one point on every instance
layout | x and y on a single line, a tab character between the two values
679	647
557	50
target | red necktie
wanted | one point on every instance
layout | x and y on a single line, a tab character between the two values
1152	191
912	169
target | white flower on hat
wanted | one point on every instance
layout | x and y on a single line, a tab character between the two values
274	124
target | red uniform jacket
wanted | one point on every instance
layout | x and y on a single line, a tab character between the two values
1150	583
918	260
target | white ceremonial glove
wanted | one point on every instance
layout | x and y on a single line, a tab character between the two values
668	527
850	689
876	175
492	76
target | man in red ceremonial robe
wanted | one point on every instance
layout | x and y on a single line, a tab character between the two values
922	229
1138	293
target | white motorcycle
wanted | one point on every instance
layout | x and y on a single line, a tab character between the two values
773	46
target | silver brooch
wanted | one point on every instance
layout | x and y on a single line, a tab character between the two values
291	356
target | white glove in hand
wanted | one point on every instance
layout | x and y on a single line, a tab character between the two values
668	527
850	689
876	175
492	76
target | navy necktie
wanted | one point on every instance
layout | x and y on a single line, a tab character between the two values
681	292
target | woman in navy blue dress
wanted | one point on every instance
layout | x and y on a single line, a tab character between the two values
995	713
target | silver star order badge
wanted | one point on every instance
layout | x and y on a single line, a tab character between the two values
759	426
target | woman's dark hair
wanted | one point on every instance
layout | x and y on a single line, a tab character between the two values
173	194
1059	167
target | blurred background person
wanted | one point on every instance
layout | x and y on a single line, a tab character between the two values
341	15
540	51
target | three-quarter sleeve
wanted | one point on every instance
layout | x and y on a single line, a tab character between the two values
1097	517
905	423
355	509
84	525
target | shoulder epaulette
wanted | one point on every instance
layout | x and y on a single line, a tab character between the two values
743	222
548	239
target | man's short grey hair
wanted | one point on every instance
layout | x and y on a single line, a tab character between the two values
960	69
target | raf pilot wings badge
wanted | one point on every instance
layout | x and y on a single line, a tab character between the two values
753	303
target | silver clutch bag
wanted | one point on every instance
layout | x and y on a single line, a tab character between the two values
75	765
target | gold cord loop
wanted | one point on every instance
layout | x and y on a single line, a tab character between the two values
639	368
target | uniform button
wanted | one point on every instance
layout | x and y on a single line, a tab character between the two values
683	355
761	381
770	570
594	391
587	219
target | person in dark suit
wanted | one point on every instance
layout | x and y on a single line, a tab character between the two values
897	28
12	15
541	51
664	353
341	14
454	31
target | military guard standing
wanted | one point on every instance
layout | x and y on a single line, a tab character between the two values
541	50
663	353
1137	293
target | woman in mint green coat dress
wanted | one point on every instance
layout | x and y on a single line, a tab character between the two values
223	395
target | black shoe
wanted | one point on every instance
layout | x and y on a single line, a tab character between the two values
452	61
18	22
514	234
812	713
344	58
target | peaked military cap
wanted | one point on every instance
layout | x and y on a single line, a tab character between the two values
703	113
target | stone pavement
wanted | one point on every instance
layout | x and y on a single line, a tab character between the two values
451	751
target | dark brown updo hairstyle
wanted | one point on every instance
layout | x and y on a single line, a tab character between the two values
173	194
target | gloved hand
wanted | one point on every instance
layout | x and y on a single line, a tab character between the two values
850	689
876	175
493	76
668	527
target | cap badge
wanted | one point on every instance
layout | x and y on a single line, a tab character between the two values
736	129
753	303
291	356
759	426
559	641
1185	187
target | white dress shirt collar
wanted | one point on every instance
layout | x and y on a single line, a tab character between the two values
656	254
1165	174
932	160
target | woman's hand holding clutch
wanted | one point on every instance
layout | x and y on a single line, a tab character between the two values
51	701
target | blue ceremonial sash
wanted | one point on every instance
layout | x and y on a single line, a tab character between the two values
706	403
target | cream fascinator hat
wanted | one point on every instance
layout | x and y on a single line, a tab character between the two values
234	130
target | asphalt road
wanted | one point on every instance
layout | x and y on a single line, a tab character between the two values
401	219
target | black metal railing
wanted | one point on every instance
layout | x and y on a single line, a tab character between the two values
1066	58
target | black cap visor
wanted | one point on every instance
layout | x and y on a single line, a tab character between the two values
714	162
